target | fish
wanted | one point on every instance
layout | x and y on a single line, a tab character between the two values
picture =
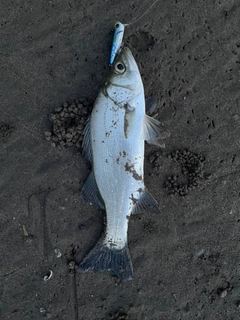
117	40
114	144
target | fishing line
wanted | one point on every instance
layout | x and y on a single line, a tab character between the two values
118	35
144	13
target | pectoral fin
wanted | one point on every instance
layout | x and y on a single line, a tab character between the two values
129	112
153	131
90	192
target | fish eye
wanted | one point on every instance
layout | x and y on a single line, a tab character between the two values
119	67
117	25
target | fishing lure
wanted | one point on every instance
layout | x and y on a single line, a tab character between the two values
117	40
118	34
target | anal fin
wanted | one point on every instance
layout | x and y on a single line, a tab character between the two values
145	202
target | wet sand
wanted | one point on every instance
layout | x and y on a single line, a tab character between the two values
185	259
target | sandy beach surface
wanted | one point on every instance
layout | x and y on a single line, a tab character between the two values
186	258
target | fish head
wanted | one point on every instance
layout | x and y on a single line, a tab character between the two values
124	81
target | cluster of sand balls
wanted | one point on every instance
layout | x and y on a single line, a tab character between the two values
156	160
5	130
192	166
68	123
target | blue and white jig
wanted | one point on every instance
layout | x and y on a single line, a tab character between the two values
117	40
119	32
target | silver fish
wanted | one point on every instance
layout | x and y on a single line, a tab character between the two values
114	144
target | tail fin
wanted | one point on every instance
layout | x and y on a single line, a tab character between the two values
102	258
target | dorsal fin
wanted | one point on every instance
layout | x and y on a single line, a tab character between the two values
86	145
90	192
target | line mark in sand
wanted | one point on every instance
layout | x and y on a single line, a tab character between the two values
73	290
36	206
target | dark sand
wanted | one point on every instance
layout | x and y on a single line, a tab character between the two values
186	259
